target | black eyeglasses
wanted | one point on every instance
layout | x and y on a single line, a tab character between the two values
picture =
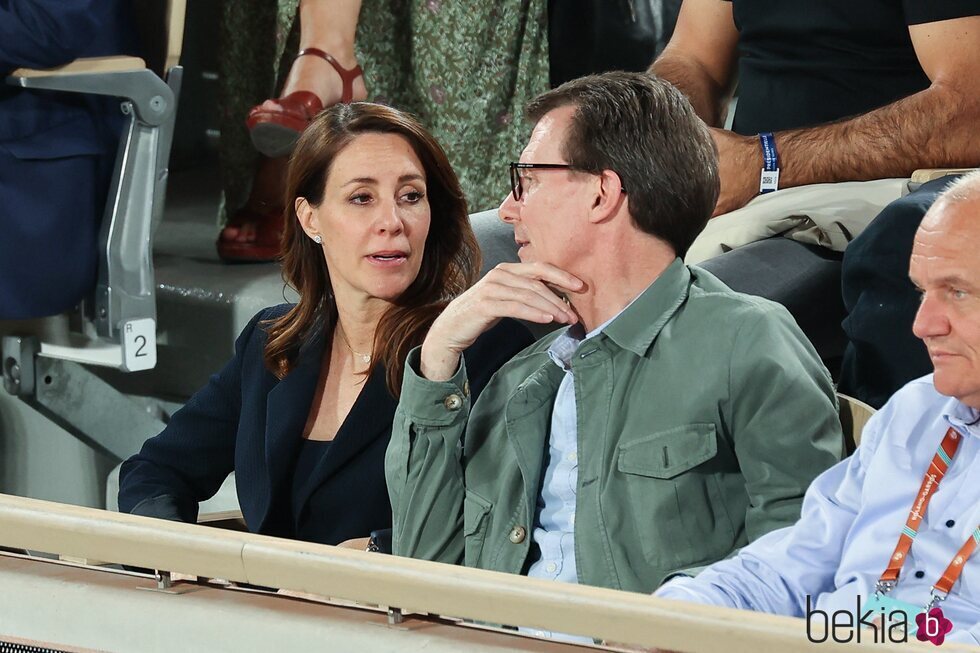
515	174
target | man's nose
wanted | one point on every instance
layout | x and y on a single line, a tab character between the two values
510	209
931	319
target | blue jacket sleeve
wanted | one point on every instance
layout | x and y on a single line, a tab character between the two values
46	33
187	462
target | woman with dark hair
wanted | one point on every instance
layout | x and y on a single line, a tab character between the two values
376	243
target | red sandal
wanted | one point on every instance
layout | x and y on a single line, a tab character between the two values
261	245
274	129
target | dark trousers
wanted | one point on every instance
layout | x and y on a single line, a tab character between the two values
882	353
858	313
806	279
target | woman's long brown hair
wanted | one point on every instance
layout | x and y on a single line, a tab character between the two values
450	261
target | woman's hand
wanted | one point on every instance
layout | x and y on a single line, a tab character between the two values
525	291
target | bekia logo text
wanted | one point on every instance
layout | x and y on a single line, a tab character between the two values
880	626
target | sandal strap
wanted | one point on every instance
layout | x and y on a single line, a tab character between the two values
347	75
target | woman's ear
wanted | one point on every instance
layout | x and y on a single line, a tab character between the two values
609	197
307	215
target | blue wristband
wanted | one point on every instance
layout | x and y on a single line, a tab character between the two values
769	179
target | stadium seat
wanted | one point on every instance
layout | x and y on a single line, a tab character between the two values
854	415
59	366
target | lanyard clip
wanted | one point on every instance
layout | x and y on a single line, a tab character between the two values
936	597
884	587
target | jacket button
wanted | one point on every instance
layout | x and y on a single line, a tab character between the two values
452	402
466	387
517	534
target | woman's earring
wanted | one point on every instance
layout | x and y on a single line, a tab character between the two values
318	239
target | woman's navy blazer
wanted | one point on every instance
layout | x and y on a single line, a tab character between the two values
247	421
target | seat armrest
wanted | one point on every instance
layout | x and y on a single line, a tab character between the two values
231	520
924	175
86	65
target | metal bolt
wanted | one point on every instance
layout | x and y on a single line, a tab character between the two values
157	103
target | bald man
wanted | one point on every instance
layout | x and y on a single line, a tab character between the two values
892	529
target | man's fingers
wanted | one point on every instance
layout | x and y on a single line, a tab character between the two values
521	311
545	272
536	295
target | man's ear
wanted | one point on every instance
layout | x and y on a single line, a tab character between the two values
307	215
609	198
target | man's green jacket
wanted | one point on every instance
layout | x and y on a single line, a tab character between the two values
703	415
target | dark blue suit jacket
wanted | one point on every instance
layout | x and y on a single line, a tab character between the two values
56	153
247	420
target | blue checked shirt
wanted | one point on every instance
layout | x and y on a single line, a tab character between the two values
851	519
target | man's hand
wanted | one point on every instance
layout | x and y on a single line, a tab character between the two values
525	291
739	165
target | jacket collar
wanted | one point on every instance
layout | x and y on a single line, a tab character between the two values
641	322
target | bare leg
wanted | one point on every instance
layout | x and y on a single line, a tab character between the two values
329	25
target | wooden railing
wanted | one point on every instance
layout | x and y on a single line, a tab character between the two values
409	586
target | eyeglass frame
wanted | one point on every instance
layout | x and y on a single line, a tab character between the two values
517	190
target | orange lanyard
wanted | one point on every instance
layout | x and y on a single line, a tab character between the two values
930	484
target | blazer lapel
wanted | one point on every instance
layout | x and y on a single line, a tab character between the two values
369	418
287	409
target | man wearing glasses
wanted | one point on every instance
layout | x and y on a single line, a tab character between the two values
672	420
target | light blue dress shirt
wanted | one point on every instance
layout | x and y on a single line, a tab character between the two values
852	516
554	522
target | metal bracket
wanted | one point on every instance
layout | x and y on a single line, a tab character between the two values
76	399
151	97
18	365
164	581
395	616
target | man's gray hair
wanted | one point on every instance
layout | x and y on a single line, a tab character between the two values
964	189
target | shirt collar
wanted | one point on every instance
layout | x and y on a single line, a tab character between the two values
638	324
963	418
564	346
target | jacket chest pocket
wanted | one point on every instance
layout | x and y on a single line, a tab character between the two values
476	518
675	496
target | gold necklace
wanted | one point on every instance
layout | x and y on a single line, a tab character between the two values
365	358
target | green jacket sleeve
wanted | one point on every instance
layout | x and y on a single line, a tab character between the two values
422	465
783	415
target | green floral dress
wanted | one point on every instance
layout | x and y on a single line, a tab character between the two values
466	68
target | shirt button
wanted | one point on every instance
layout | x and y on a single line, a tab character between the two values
517	534
920	574
452	402
950	523
571	457
551	568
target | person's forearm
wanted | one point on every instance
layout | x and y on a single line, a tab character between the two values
706	95
932	129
